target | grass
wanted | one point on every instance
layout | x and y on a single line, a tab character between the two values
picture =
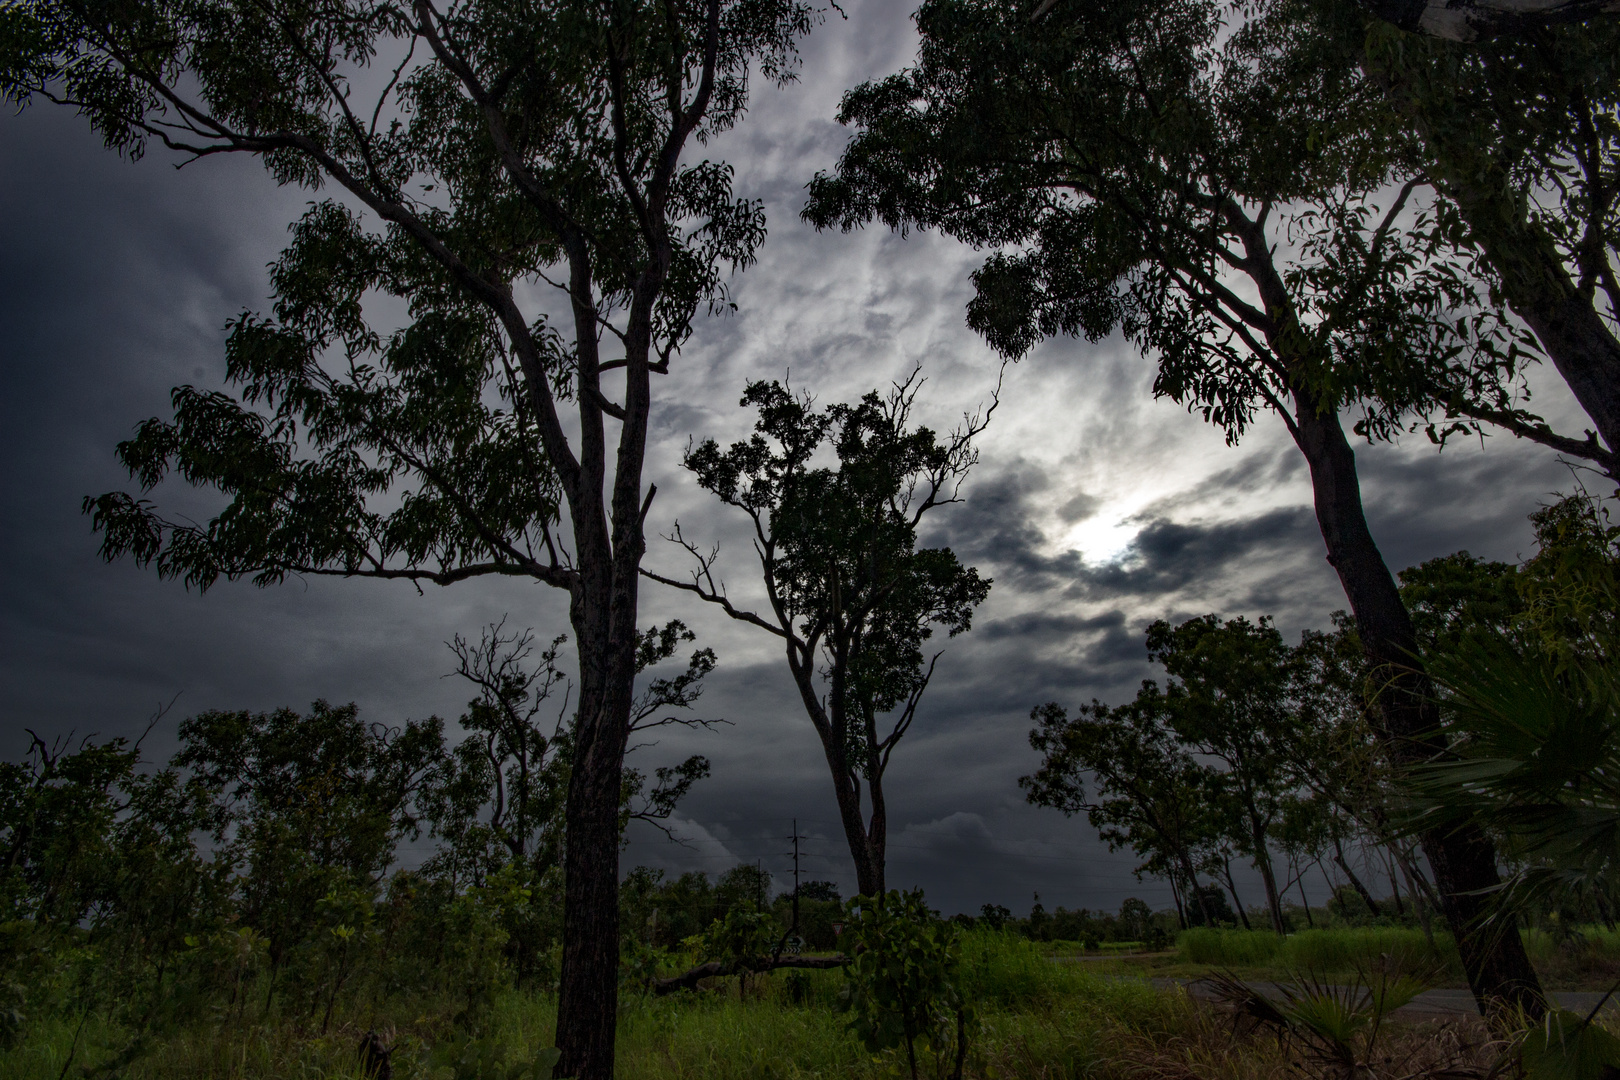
1322	951
1033	1019
1589	960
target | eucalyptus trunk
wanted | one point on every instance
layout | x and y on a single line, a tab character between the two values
867	841
1407	718
1268	877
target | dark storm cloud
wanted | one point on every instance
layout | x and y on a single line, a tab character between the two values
999	525
1168	555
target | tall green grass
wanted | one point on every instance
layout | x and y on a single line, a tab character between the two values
1003	971
1342	950
1545	949
1032	1018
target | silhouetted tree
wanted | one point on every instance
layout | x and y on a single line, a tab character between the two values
480	150
1148	793
852	597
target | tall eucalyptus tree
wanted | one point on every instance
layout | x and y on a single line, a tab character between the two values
403	412
1200	176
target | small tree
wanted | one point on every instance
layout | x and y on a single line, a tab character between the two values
852	597
307	804
1149	794
495	801
903	979
1228	699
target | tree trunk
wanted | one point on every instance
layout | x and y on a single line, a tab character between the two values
1268	877
1195	899
1237	901
1407	719
602	610
1355	882
867	855
866	849
877	831
588	996
1394	886
1418	900
1310	920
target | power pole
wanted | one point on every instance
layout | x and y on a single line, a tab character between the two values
795	838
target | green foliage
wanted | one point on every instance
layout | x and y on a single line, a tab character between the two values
1456	596
739	937
1568	1046
312	806
1533	713
1571	586
666	914
904	980
254	879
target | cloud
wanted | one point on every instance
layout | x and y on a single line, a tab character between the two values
1167	556
1095	508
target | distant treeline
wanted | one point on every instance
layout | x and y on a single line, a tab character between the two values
1254	750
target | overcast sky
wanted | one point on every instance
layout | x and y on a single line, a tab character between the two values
1094	508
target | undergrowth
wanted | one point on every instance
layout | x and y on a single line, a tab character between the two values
1034	1019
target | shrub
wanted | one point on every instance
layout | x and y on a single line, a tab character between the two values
903	979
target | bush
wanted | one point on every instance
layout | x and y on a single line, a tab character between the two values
903	980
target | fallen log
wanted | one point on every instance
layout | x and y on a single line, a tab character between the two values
689	980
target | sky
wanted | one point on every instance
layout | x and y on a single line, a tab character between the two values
1094	508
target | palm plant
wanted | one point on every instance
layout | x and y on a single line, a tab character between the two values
1532	713
1536	760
